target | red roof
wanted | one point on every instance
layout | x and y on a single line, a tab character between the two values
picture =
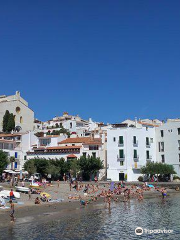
71	156
83	140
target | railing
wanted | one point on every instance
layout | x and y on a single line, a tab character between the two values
120	144
148	145
120	158
136	166
135	144
136	159
149	158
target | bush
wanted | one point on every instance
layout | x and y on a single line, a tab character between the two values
140	179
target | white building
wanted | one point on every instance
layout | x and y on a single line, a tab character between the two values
74	124
69	149
129	147
23	115
16	145
168	143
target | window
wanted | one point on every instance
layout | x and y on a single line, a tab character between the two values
151	139
179	157
147	141
135	153
84	154
16	154
93	147
161	146
121	153
114	139
73	144
60	125
178	131
94	155
15	165
121	163
18	110
162	133
25	157
44	141
121	140
147	154
70	124
162	159
179	144
134	140
146	128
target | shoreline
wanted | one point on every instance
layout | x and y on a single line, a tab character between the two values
50	211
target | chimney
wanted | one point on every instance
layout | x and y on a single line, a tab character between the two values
17	93
136	121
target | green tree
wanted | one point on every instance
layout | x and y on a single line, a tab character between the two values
5	120
55	167
11	123
30	166
157	168
3	161
89	165
54	171
74	167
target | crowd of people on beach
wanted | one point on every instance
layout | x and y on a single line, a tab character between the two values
90	192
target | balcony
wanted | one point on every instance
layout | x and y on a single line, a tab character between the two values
135	144
148	159
120	158
148	145
120	144
136	166
136	159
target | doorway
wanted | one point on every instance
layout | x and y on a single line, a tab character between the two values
121	176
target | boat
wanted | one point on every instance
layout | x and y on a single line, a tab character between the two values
22	189
34	185
6	194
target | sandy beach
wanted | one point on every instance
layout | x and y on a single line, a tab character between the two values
26	210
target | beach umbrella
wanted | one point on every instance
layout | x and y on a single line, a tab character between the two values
44	194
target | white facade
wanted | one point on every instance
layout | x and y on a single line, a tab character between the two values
74	124
128	149
16	145
168	143
23	115
69	148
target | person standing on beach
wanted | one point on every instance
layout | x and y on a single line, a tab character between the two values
70	183
164	193
58	183
12	210
11	194
29	194
64	177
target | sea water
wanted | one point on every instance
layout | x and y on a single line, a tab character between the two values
98	222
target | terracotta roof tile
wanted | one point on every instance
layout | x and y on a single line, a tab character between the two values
148	124
83	140
65	147
71	156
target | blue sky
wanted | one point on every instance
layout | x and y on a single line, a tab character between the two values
109	60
